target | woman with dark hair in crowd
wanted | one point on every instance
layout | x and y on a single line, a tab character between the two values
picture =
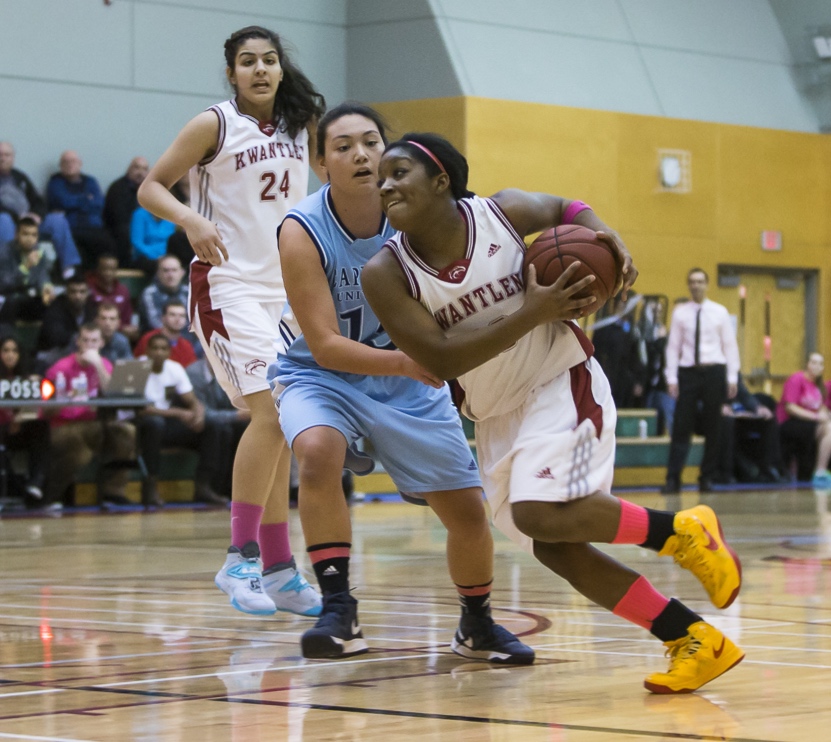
449	290
21	430
248	159
805	419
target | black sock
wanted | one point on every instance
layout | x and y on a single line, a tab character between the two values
331	565
672	622
475	599
661	527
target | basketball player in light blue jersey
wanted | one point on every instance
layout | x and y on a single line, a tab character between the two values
339	378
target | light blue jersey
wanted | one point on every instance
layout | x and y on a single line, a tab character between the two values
415	430
343	257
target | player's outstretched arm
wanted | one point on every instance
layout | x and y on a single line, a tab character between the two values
413	329
196	141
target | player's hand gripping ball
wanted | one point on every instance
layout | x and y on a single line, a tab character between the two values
555	249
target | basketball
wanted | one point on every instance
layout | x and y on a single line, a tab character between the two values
555	249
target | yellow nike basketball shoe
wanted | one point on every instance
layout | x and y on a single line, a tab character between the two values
699	546
695	659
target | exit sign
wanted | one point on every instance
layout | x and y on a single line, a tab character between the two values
771	240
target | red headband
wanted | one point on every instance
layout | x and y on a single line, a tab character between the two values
429	154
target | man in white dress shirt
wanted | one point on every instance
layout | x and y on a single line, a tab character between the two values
702	371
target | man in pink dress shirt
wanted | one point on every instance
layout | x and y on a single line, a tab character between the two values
702	372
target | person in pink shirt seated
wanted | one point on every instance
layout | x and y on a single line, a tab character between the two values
76	432
174	319
104	286
804	416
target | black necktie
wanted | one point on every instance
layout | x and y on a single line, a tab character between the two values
698	337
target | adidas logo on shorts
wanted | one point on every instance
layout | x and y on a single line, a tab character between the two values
493	249
545	474
471	466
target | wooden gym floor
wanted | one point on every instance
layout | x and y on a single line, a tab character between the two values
111	629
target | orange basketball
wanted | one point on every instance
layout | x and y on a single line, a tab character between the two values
555	249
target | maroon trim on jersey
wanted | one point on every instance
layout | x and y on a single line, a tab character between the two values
582	338
210	319
456	272
581	392
426	267
470	223
203	202
503	217
268	128
220	140
415	290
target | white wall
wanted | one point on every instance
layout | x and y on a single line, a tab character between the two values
711	60
120	80
117	81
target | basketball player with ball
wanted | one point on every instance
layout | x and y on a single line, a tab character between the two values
457	291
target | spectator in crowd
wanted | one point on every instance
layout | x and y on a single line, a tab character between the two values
19	430
220	410
25	275
149	235
653	332
805	420
748	441
702	370
104	286
176	417
64	316
18	198
116	345
120	203
617	350
174	319
168	284
77	434
79	197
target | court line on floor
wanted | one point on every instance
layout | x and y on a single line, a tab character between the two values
6	735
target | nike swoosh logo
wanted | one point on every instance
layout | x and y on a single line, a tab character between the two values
711	542
717	652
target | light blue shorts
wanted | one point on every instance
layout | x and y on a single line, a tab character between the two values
414	429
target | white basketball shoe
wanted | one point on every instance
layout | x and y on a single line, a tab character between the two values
289	590
241	577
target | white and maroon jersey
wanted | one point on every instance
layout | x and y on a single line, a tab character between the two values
256	175
481	289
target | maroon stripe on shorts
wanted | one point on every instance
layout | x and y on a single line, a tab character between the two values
581	391
200	297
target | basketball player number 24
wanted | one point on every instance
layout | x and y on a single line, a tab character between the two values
270	180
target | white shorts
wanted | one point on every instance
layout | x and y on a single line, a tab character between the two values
558	446
240	342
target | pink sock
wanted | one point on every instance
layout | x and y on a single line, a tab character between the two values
642	604
274	543
634	524
245	523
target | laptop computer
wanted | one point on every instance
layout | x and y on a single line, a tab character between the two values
129	378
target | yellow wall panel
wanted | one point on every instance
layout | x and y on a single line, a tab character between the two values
645	206
768	180
544	148
445	116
